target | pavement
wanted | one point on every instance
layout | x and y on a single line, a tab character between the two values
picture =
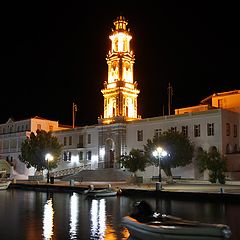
231	187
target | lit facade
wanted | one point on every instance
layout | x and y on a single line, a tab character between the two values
120	90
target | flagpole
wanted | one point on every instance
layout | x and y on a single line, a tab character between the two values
170	93
74	110
73	117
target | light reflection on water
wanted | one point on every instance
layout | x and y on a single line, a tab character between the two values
48	215
98	218
73	215
63	216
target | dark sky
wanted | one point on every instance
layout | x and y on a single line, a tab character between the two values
53	54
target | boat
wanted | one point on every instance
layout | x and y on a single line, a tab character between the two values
4	185
105	192
161	226
4	182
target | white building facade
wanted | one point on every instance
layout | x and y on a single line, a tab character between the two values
13	133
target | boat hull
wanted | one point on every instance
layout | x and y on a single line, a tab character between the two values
100	193
4	185
179	231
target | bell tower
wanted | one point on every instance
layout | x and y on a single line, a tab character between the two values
120	90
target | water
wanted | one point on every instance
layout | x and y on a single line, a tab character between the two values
30	215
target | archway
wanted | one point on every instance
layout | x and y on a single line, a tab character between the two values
109	163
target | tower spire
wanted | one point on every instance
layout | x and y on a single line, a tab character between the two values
120	90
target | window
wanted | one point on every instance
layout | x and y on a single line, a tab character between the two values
235	130
50	128
67	156
80	155
228	148
141	152
140	135
210	129
197	130
173	129
64	141
220	103
70	140
89	155
39	126
185	130
80	141
157	132
235	149
89	139
228	130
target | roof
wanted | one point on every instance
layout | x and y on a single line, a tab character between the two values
220	94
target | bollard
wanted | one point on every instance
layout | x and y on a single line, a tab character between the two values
52	180
71	182
158	186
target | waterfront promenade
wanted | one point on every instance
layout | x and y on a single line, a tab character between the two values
179	186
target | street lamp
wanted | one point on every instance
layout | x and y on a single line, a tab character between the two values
48	157
159	153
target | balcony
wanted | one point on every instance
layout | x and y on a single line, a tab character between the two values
80	145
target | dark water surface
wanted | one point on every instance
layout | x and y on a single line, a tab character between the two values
30	215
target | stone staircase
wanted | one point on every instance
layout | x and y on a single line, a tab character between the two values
68	171
100	175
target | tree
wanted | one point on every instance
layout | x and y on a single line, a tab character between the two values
35	147
135	161
215	163
179	150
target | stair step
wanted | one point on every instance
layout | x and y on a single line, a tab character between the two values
100	175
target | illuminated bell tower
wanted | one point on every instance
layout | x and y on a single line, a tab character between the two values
120	90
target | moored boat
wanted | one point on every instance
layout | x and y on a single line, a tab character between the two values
4	185
4	182
105	192
167	227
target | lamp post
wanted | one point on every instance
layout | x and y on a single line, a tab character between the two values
159	153
48	157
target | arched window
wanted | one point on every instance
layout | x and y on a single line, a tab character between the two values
213	149
228	148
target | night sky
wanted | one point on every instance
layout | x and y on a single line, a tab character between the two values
53	54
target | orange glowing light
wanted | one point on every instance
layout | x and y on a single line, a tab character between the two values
120	91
